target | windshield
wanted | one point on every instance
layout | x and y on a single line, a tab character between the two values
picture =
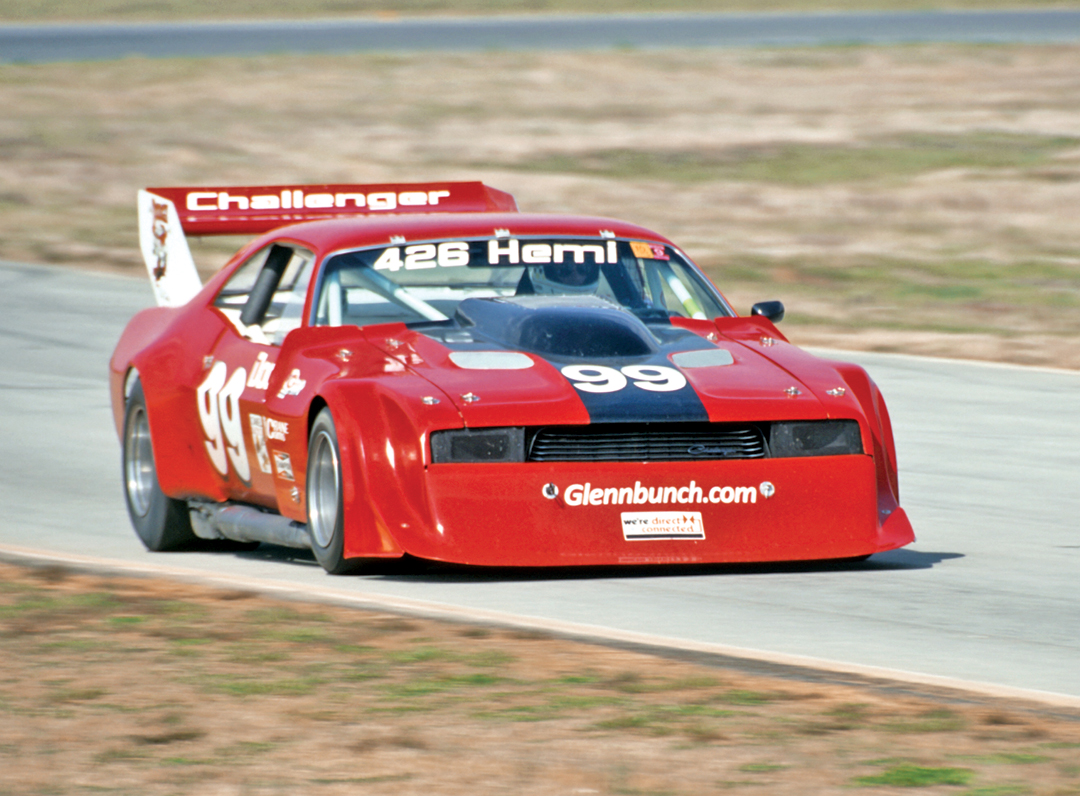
426	281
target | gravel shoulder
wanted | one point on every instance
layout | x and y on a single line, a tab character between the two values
123	685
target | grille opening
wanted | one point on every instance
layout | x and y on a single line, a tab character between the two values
643	442
648	442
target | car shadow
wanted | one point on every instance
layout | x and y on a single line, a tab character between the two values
284	555
905	558
420	570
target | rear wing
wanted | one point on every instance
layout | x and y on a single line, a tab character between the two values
168	215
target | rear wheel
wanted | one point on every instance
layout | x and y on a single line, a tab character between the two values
160	522
326	524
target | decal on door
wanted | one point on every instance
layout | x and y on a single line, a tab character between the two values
258	436
293	385
263	429
283	465
219	412
277	429
260	372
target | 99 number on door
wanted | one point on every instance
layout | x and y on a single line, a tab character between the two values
219	412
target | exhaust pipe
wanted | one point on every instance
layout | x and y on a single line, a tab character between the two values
242	523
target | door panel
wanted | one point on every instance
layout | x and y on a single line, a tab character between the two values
231	402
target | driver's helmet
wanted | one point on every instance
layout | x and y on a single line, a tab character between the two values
565	279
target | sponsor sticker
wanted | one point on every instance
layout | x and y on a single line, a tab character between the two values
283	465
161	238
648	251
293	385
276	429
258	436
645	525
260	372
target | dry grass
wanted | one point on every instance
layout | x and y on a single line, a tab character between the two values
919	199
156	687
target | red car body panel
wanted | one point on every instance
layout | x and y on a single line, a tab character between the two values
822	516
389	387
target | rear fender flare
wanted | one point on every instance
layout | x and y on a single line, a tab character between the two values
170	367
141	331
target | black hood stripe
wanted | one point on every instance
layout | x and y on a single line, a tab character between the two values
632	404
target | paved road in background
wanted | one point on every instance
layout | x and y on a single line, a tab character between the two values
989	460
85	42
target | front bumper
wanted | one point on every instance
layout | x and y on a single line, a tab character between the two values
560	514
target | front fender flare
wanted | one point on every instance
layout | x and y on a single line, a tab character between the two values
383	438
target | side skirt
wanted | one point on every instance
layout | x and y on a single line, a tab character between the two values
243	523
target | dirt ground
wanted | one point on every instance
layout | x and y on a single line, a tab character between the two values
917	199
115	685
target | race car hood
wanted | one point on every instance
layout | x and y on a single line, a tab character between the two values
540	360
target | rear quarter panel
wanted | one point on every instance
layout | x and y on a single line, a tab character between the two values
141	331
170	370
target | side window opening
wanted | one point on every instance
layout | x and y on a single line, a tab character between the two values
234	293
264	298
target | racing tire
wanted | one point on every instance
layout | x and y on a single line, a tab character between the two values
325	508
161	522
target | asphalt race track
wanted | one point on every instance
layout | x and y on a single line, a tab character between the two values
989	459
87	41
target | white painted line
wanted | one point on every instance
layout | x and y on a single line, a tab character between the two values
584	632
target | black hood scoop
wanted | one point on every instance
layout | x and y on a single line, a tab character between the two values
562	327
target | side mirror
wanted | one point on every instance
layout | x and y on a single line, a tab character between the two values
773	310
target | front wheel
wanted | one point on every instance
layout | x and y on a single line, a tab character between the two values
160	522
326	522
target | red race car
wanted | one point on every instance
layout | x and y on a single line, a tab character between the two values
421	370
